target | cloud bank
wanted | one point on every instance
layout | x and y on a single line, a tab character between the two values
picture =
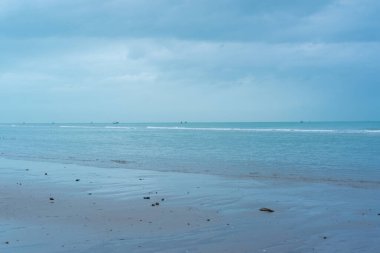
79	61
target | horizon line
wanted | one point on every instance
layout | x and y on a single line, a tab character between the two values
187	122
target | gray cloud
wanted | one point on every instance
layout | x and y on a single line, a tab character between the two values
198	60
273	21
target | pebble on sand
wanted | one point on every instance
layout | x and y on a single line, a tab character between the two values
264	209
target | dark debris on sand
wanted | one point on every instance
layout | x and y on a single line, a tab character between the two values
264	209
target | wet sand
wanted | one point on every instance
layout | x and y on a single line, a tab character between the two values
110	210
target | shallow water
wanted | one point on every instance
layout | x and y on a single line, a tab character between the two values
342	151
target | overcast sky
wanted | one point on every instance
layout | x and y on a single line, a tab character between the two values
194	60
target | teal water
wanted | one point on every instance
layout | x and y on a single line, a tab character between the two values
310	150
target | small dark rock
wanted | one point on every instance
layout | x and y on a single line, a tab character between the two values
264	209
51	198
146	197
6	242
162	199
77	180
325	237
27	169
45	174
157	204
89	193
378	214
153	204
208	219
120	161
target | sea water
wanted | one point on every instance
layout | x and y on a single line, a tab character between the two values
335	151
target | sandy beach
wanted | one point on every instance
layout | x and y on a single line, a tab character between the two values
50	207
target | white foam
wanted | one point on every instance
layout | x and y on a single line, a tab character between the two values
119	127
86	127
343	131
98	127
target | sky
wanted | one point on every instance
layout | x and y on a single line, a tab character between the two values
193	60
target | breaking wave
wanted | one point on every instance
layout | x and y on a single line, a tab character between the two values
297	130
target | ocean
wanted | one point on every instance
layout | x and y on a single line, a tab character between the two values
331	151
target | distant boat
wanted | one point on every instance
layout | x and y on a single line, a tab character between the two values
115	123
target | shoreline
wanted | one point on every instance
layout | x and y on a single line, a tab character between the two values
258	176
107	212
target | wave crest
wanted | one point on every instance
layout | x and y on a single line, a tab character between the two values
297	130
